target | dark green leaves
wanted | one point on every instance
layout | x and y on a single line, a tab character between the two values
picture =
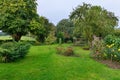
93	20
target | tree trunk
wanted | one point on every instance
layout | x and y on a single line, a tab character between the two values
16	37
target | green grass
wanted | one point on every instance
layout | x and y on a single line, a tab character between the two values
42	63
22	38
5	37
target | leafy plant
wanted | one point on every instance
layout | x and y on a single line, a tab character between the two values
51	38
112	47
16	19
101	24
60	50
65	51
97	48
69	51
109	39
12	51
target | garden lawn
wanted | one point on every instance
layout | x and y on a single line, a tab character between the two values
24	38
42	63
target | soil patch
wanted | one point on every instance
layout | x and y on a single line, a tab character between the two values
110	64
86	49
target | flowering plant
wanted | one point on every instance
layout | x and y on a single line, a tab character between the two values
112	48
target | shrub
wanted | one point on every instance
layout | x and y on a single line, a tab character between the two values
65	51
69	52
5	55
112	48
97	49
12	51
60	50
109	39
51	38
108	48
22	49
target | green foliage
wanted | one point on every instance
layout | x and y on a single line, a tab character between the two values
109	48
117	32
51	38
109	39
97	50
15	16
41	28
5	55
60	37
93	20
37	27
23	49
112	48
65	29
12	51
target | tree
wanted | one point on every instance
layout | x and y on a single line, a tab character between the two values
16	15
50	39
41	27
65	29
49	28
37	28
93	20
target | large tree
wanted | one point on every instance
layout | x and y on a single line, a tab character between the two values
16	15
93	20
65	29
37	28
41	27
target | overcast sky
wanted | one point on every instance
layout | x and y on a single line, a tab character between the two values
55	10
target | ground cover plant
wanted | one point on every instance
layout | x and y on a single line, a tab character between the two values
112	48
108	48
65	51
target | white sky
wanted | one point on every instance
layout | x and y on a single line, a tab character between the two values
55	10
